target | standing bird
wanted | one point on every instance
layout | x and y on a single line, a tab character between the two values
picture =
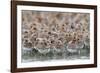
75	47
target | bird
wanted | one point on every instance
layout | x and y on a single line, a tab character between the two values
71	47
26	50
75	47
43	50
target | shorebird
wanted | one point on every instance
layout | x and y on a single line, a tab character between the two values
43	50
75	47
87	42
26	50
42	46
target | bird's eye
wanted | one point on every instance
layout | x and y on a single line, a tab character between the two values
26	40
26	31
72	27
34	28
49	32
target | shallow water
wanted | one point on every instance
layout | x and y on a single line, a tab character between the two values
35	55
